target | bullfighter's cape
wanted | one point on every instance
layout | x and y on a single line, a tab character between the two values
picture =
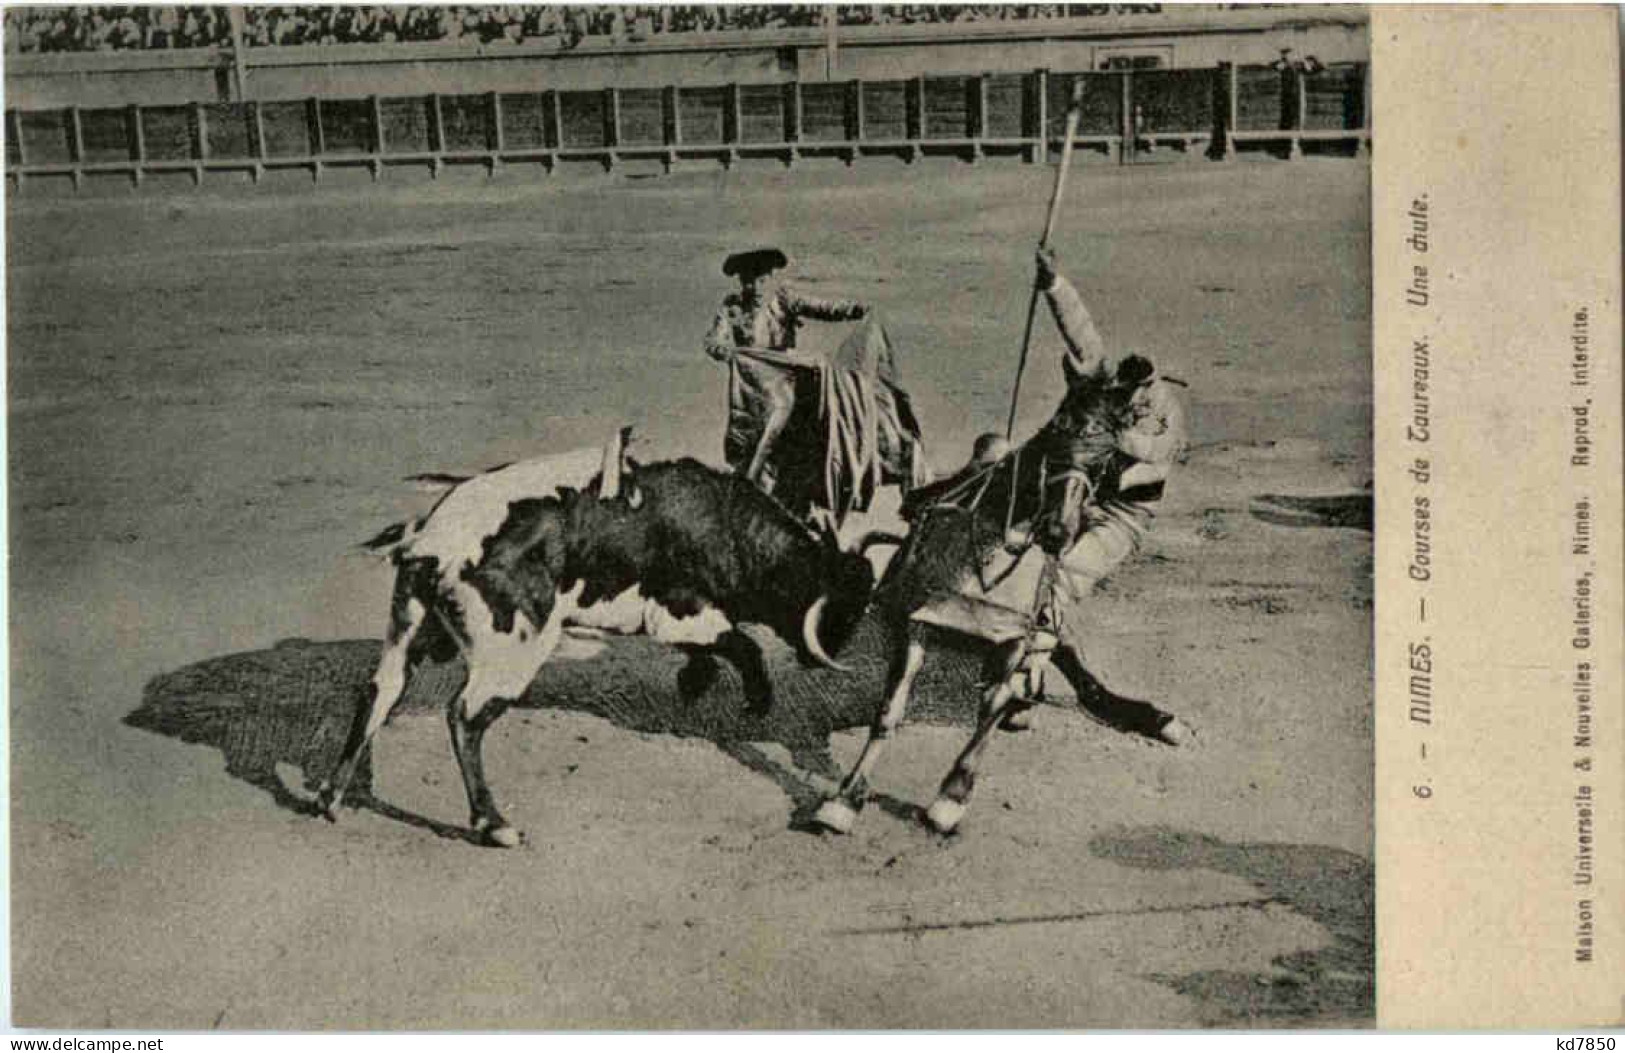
870	433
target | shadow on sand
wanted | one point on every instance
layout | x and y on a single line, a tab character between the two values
1347	511
1331	987
291	705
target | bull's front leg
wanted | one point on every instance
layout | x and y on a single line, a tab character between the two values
499	671
745	655
840	812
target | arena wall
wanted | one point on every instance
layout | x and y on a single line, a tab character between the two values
1180	40
975	92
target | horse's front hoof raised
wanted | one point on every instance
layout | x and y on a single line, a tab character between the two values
836	816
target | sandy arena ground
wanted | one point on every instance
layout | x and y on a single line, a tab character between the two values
214	397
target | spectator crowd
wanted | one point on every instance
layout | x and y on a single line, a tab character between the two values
46	29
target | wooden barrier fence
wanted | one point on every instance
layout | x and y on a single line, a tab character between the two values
1128	115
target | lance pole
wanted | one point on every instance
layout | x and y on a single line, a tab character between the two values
1072	114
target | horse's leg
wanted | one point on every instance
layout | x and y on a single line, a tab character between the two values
949	807
1124	714
840	811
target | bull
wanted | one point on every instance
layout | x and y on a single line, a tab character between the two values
507	560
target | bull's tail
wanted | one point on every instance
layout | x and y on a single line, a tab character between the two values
439	480
387	538
393	540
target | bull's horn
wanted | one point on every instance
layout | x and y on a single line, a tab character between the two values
609	485
878	537
809	637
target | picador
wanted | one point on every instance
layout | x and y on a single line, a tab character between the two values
1001	550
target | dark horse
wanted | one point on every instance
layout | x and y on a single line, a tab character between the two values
970	564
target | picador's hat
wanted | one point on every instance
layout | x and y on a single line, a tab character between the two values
754	261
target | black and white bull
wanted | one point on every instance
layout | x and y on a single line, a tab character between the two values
677	550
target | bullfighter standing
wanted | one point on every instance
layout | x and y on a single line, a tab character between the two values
1088	539
761	397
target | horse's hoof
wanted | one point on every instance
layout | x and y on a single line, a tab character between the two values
502	837
944	814
326	804
1176	733
836	816
1018	719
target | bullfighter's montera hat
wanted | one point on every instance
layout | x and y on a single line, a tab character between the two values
754	261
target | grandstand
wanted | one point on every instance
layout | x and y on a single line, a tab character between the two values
37	30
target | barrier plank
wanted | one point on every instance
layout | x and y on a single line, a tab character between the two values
44	136
823	113
346	126
168	132
642	117
1335	98
287	129
703	113
525	121
948	107
406	124
105	134
582	115
885	109
1258	99
465	122
761	113
1006	115
1174	100
14	146
1102	112
228	131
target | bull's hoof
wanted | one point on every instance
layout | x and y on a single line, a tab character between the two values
326	804
944	814
503	836
836	816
